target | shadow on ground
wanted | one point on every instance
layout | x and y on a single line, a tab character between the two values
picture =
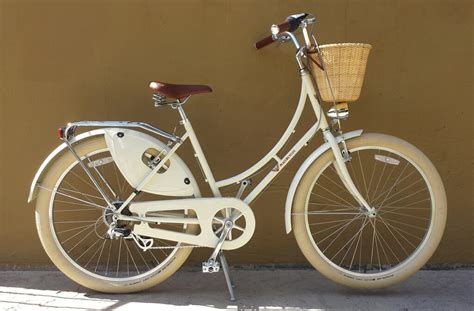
255	290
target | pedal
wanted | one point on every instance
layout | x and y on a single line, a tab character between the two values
210	266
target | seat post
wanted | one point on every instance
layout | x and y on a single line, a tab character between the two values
182	114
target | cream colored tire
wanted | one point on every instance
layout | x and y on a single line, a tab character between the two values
65	264
400	271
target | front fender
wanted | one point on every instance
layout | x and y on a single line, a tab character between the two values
49	160
306	164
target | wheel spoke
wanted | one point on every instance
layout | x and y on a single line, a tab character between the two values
331	213
84	252
370	181
85	195
73	229
363	175
336	184
330	200
337	196
88	203
100	255
326	204
103	180
405	224
80	241
351	239
118	257
389	248
404	189
404	215
329	228
108	258
357	245
406	197
76	234
398	231
396	239
328	222
394	184
76	210
340	230
133	260
141	256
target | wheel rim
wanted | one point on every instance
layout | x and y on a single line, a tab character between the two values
78	223
355	242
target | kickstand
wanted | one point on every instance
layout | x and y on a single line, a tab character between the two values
228	277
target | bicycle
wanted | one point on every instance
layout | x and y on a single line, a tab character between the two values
118	211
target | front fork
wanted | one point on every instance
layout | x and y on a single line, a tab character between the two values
343	173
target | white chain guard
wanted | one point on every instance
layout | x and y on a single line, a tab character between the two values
127	152
205	209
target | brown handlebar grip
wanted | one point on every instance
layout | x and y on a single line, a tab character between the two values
264	42
285	26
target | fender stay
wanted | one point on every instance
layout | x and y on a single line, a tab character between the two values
47	162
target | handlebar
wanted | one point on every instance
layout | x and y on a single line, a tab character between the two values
291	23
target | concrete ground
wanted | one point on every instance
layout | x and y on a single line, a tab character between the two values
256	290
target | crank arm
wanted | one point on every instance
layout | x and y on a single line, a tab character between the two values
212	265
227	227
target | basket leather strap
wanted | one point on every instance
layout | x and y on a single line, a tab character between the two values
313	54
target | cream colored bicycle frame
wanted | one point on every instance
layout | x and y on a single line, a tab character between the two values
307	90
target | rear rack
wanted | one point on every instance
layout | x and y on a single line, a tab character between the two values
70	128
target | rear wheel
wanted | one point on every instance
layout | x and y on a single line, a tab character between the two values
72	220
369	250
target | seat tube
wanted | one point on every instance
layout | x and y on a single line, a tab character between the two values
198	153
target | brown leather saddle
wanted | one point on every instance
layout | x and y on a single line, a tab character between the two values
178	91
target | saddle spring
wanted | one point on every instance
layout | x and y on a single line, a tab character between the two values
159	99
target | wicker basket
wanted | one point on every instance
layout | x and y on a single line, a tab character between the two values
345	65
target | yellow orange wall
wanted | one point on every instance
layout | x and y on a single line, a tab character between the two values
75	60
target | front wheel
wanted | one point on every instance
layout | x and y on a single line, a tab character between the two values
370	250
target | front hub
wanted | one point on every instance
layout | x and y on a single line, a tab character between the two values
372	213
